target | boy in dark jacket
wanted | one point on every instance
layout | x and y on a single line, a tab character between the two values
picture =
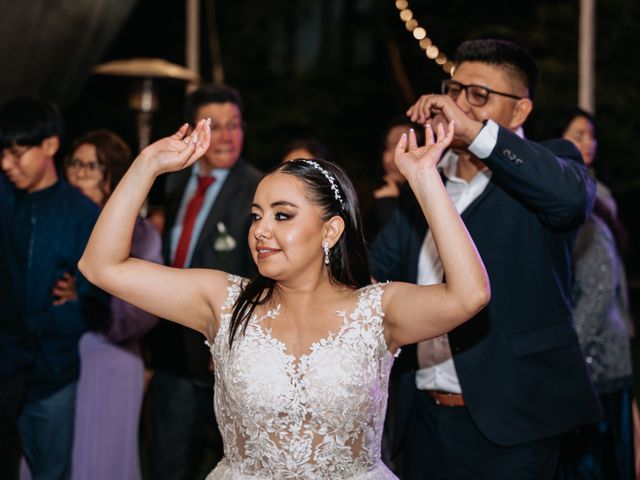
51	225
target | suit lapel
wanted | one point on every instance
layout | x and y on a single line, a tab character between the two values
420	227
223	204
478	201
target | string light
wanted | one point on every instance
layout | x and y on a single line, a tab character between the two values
411	24
419	33
406	15
425	43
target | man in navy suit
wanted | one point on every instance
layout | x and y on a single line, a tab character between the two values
207	225
490	399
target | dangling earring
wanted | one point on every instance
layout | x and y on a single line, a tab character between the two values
325	247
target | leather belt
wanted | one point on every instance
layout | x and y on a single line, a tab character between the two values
446	399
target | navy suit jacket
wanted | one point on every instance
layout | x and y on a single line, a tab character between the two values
16	350
177	349
519	362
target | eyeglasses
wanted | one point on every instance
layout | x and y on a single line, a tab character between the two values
230	127
91	167
16	152
477	95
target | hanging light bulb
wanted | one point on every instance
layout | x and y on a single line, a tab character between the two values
420	34
406	15
432	52
411	25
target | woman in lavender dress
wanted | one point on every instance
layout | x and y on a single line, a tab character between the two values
111	384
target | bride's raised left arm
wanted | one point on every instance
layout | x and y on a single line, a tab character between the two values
414	312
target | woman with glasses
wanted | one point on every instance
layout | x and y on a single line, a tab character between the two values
110	389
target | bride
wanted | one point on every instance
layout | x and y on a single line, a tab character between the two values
302	352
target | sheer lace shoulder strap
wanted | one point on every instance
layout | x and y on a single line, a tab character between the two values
234	288
370	306
370	301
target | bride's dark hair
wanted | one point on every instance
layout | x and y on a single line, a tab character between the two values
348	262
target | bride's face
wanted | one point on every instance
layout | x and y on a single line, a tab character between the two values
286	231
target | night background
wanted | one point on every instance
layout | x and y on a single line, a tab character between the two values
336	70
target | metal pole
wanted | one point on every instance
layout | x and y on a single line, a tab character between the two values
586	80
192	53
214	43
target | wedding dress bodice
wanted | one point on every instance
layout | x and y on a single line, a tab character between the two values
319	416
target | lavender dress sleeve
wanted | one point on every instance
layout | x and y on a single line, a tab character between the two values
129	323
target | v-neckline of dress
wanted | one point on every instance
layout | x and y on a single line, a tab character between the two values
296	364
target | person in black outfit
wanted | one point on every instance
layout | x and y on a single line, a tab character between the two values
15	349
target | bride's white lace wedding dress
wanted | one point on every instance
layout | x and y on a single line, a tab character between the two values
316	417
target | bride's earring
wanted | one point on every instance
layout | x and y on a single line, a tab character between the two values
325	247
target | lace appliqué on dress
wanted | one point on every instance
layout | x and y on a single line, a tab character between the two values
316	417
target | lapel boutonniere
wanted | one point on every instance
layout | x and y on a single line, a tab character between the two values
223	242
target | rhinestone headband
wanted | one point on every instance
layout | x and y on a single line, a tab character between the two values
330	178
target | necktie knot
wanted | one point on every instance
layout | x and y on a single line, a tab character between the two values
204	182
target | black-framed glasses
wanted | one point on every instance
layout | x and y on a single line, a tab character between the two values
477	95
231	127
91	167
16	152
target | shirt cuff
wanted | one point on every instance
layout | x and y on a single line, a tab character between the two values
486	140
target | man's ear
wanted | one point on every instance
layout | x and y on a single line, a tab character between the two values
333	230
50	145
520	113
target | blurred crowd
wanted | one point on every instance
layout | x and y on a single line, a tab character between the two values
94	388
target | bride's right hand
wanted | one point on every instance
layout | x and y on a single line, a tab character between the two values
179	150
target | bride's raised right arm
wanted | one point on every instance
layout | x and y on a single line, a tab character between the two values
190	297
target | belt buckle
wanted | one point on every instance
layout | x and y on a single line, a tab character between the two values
449	399
443	398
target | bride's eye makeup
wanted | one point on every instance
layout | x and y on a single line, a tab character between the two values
283	216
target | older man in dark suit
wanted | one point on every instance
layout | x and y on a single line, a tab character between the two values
489	400
207	223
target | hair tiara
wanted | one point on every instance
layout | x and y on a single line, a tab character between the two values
329	177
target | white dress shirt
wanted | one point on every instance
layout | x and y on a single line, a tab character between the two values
437	370
210	196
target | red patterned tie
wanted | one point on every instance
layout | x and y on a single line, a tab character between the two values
189	221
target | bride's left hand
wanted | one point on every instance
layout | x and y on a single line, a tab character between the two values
412	159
